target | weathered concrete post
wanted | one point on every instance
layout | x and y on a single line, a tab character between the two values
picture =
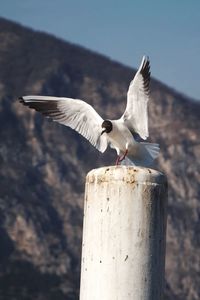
123	250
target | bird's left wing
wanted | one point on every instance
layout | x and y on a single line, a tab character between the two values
74	113
136	115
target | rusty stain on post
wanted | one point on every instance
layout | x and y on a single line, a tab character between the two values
123	251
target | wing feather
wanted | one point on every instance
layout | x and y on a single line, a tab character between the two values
136	114
74	113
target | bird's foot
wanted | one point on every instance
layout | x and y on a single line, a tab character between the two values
120	159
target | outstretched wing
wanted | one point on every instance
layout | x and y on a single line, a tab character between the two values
136	115
74	113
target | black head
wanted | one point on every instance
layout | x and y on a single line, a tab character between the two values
107	125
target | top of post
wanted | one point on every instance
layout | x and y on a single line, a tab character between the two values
128	174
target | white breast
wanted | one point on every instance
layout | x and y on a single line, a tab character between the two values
120	137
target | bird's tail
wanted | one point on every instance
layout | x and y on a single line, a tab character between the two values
148	153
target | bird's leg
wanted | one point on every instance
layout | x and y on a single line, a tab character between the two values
119	159
123	157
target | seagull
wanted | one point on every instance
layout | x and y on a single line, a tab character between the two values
126	135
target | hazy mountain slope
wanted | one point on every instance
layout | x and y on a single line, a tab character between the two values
43	167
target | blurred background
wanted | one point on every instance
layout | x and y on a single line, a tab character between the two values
124	31
90	51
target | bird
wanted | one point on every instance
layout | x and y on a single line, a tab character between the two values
126	135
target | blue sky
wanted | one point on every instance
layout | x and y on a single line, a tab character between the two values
167	31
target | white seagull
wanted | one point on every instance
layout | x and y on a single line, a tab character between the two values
126	135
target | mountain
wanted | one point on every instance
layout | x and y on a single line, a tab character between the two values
43	166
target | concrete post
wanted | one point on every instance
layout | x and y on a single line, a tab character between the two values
123	250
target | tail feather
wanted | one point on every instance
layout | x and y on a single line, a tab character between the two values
148	152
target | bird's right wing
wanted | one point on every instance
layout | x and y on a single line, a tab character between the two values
136	116
74	113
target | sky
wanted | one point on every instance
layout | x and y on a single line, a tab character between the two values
167	31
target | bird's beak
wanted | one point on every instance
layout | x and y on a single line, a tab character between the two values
103	131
